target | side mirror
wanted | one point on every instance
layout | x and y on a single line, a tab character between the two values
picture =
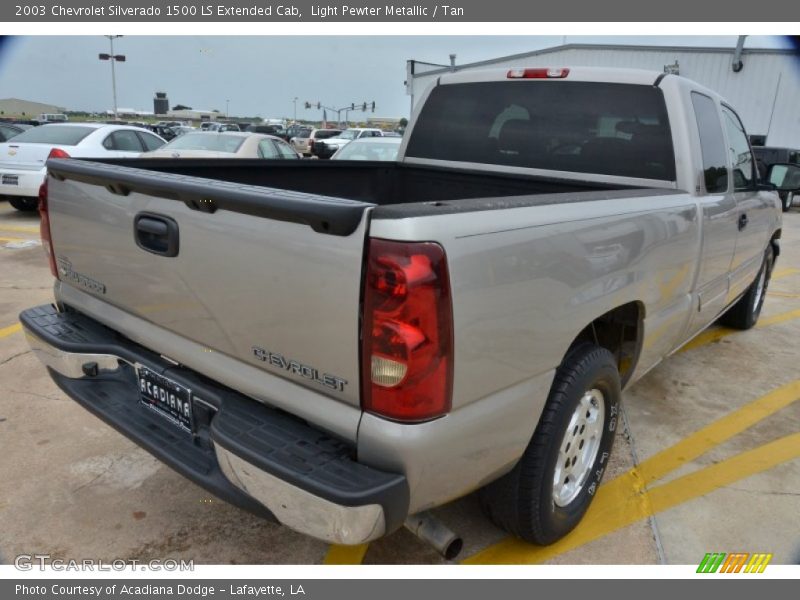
784	177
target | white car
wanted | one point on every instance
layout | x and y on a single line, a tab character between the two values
376	149
229	144
329	147
23	158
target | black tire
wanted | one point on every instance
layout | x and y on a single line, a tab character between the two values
24	204
522	502
744	314
786	202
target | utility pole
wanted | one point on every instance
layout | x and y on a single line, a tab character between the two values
113	58
227	105
295	108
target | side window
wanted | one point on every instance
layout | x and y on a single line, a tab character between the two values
151	142
266	149
125	141
741	154
712	144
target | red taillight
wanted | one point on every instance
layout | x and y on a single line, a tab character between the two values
57	153
311	142
407	336
44	229
537	73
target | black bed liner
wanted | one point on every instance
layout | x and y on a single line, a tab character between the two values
331	196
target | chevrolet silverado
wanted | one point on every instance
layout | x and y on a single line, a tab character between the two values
342	345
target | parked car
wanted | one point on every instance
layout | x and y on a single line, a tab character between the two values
329	147
304	141
275	130
231	144
344	346
383	148
10	130
767	156
291	131
52	118
22	159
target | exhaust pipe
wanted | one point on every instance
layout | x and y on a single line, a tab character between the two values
431	530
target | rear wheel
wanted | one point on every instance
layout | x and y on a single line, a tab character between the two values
547	493
786	201
744	314
24	204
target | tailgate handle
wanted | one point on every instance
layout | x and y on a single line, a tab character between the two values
156	234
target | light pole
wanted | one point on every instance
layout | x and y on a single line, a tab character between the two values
295	108
227	104
113	58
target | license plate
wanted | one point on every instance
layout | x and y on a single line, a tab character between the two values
10	180
166	397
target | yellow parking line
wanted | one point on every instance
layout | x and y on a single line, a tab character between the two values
721	430
708	336
785	272
19	228
346	555
783	294
781	318
623	502
6	331
12	239
626	499
717	333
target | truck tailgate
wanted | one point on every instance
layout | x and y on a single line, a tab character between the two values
265	276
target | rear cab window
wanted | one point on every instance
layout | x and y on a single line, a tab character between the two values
584	127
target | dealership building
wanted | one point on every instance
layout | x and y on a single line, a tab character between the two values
762	84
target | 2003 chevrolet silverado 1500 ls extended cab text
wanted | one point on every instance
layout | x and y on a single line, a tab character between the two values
341	345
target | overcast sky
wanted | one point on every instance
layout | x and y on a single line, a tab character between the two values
260	75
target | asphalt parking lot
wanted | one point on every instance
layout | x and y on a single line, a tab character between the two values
709	459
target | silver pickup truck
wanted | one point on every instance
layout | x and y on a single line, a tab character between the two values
344	345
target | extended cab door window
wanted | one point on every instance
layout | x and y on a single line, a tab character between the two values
741	156
712	144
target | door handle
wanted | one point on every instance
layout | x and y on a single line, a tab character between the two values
156	234
742	221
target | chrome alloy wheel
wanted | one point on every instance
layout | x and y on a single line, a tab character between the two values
579	447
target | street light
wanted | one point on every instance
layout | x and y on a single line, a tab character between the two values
113	58
227	104
295	108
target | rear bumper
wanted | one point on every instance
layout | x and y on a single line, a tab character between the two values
27	182
248	454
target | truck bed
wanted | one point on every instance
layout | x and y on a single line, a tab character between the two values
379	183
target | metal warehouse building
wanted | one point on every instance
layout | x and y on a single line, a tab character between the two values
763	84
